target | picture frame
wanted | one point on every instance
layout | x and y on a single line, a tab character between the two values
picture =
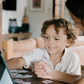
36	5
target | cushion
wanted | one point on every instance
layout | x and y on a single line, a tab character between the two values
23	47
79	41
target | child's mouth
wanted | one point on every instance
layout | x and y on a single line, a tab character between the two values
51	48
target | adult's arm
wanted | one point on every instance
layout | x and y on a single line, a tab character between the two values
79	80
47	72
64	77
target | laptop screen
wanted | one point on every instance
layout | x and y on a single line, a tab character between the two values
5	76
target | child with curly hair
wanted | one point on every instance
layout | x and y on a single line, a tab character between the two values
58	34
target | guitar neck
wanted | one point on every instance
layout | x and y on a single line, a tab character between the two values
25	11
25	19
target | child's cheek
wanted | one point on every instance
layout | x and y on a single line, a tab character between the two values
45	44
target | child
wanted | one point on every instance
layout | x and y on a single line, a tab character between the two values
57	34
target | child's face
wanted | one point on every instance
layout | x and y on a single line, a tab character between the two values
55	43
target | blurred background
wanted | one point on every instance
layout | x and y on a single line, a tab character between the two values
14	11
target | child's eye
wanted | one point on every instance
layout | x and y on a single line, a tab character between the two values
46	37
56	39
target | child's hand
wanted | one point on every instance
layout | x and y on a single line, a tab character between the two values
43	70
38	68
37	65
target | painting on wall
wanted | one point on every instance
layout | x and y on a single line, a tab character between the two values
36	5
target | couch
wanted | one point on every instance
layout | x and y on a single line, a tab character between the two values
14	49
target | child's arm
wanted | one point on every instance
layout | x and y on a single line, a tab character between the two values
15	63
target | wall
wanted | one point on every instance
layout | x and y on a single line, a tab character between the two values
35	18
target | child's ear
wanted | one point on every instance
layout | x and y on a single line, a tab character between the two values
69	41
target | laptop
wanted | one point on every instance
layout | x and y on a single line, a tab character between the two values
5	75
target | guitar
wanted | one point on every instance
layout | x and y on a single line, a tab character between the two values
25	18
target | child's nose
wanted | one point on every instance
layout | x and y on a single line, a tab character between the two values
51	41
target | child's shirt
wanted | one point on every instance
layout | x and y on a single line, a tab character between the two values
70	62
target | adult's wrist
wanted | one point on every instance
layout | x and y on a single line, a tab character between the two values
53	77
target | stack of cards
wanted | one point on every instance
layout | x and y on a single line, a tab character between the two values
15	74
21	81
21	76
24	76
22	71
13	71
18	71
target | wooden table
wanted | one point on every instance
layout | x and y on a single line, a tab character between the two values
16	36
36	80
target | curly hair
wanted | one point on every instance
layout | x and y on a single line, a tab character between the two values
58	24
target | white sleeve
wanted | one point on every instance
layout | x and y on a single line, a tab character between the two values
75	68
33	56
